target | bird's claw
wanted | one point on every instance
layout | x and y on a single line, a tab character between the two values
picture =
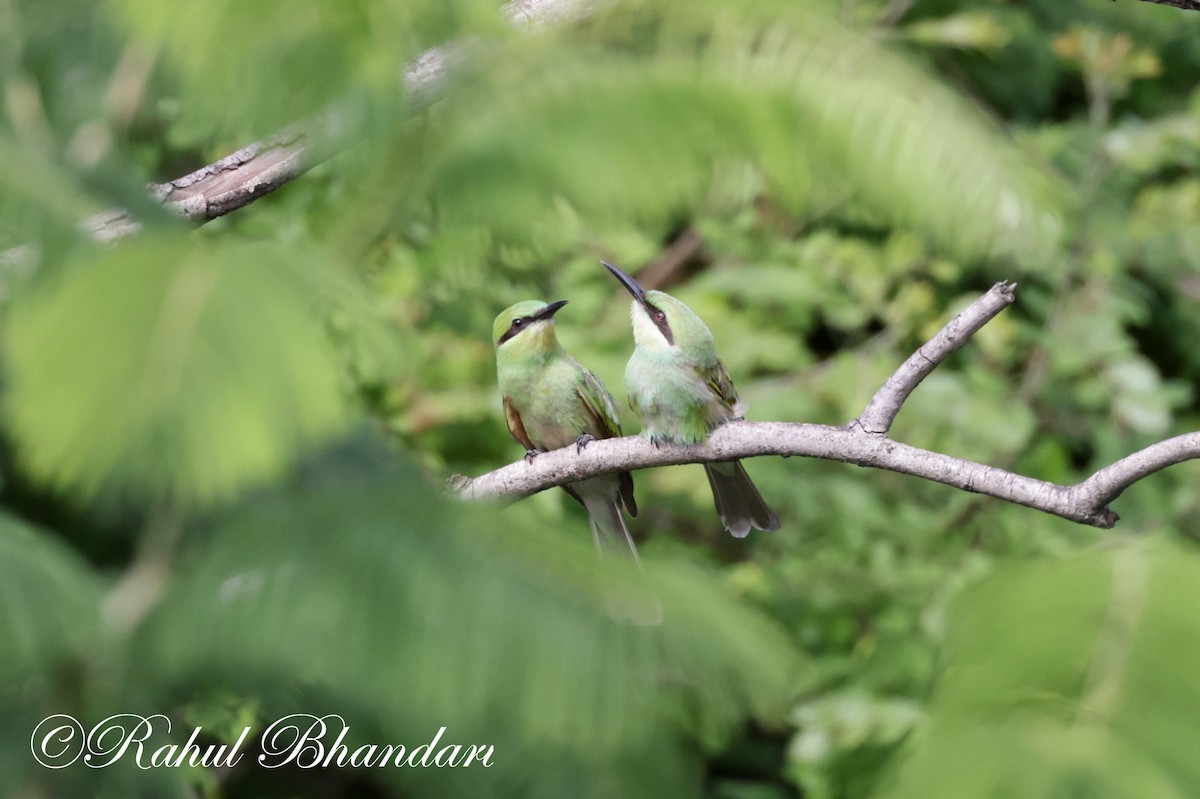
583	441
530	454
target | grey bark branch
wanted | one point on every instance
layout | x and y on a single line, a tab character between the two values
216	189
237	179
862	442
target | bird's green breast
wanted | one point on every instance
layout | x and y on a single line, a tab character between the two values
545	393
672	398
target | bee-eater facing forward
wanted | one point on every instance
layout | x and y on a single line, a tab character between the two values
681	391
551	401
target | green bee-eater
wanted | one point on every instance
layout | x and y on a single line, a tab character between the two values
681	391
551	401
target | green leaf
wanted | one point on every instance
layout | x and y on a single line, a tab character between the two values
170	368
1070	679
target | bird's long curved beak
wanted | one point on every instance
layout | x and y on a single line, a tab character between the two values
550	310
634	287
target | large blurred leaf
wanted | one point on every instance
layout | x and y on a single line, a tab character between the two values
1070	679
402	611
170	368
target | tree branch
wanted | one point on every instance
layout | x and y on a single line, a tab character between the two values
862	442
237	179
1187	5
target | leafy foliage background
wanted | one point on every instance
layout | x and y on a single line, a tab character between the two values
222	448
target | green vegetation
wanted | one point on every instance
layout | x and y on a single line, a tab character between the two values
222	449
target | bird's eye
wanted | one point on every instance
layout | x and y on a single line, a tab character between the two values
660	316
518	322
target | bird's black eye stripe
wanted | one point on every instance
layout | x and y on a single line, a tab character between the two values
514	328
659	318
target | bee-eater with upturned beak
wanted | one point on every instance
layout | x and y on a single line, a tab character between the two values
551	401
681	391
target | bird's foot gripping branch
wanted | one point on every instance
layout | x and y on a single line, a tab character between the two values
863	441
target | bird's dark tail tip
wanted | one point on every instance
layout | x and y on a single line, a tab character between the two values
739	503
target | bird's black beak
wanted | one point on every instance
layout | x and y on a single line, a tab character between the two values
639	295
634	287
549	310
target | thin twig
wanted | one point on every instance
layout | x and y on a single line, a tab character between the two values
882	409
861	442
893	13
145	580
664	270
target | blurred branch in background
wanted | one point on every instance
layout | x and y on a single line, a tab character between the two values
863	442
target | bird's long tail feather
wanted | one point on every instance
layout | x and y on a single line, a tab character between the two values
608	527
612	536
738	502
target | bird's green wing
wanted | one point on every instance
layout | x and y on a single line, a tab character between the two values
598	404
719	382
602	414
